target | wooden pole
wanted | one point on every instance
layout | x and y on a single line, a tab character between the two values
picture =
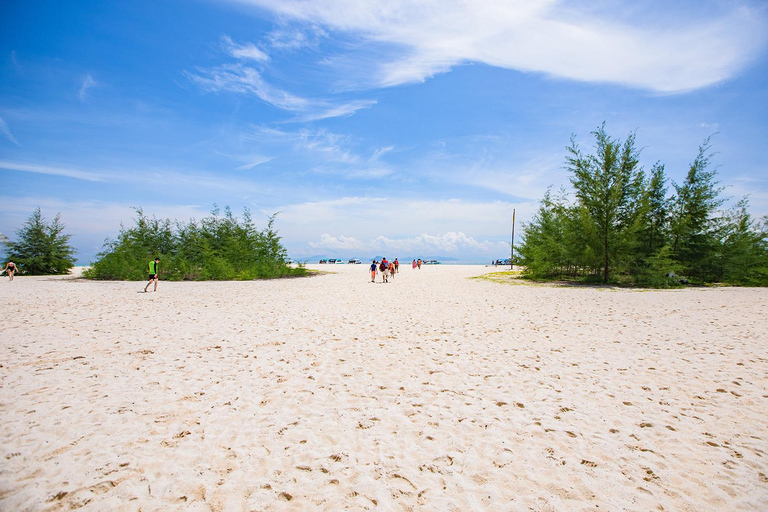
512	254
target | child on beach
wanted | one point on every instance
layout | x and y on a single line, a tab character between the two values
373	271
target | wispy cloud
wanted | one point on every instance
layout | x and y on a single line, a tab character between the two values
380	152
247	51
253	162
242	79
658	50
295	37
329	153
245	79
51	170
191	180
7	131
326	110
88	82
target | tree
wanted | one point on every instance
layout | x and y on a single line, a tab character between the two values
608	187
655	213
42	248
744	248
693	219
218	247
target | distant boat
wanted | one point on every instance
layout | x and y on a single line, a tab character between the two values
505	261
323	262
355	262
430	262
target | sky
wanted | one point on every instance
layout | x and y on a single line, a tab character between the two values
382	127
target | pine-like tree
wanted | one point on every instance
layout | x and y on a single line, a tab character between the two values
743	248
41	248
694	237
608	187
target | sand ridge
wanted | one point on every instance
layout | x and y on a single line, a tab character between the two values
431	392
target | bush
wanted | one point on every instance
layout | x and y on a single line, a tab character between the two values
217	248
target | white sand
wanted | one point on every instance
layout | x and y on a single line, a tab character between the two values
433	392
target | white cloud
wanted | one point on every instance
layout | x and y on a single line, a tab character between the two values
253	162
248	80
380	152
288	37
325	110
7	131
245	79
248	162
451	243
100	218
55	171
659	49
369	225
192	180
247	51
88	82
329	153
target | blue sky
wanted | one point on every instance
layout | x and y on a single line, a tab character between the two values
374	127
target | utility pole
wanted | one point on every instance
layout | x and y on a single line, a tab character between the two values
512	254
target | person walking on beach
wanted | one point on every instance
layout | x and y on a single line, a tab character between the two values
413	264
391	270
10	269
373	271
397	265
154	271
384	271
418	263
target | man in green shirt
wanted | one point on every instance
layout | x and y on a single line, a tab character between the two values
154	270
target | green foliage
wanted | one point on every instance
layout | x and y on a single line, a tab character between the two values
41	248
743	254
694	238
622	227
608	187
654	214
553	246
659	270
219	247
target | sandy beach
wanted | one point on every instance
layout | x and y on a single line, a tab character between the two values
432	392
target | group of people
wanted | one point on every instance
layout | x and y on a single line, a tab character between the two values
387	269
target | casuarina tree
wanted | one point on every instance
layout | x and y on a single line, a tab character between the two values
41	248
608	187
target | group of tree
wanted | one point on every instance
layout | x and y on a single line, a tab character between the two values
620	224
218	247
41	248
221	247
